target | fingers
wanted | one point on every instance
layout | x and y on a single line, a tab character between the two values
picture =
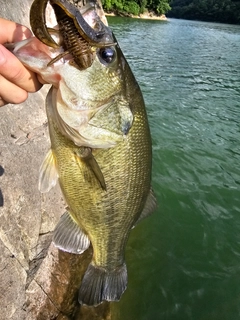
14	71
10	93
12	32
15	80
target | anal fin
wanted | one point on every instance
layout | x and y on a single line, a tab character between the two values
69	237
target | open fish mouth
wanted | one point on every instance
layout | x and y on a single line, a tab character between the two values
80	29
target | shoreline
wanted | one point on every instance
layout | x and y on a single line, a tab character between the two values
146	16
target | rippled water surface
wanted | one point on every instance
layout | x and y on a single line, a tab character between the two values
184	261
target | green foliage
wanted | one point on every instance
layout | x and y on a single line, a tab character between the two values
131	7
163	7
107	4
227	11
143	5
158	6
136	7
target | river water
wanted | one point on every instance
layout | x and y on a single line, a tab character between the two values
184	260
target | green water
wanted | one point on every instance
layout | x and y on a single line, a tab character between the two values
184	261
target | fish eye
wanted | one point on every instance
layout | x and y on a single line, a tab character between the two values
107	55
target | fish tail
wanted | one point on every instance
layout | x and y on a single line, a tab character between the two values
100	285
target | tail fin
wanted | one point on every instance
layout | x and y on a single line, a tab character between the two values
98	285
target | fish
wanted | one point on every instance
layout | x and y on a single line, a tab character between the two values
100	153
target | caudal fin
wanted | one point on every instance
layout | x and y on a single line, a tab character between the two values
98	285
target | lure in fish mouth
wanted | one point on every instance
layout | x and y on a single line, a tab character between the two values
78	37
101	150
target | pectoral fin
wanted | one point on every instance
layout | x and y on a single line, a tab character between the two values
86	155
68	236
48	173
150	206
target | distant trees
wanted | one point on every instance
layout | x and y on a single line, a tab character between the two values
136	7
227	11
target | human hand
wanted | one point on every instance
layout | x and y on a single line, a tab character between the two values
15	80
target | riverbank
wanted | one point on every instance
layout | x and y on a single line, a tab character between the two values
147	15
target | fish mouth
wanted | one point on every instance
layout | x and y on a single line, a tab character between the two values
94	30
81	30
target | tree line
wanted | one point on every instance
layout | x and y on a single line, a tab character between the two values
227	11
136	7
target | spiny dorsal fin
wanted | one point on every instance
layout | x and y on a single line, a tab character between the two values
68	236
48	173
86	155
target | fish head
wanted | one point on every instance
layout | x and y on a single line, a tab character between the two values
80	28
99	82
93	109
93	104
90	100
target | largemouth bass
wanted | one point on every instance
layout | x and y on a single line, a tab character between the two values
100	153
